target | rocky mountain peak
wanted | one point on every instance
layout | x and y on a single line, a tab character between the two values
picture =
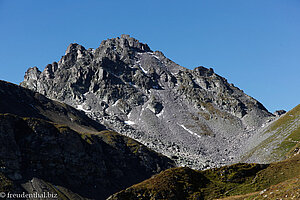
31	76
125	42
33	73
121	48
142	94
74	48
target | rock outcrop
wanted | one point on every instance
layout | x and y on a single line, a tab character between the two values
194	116
279	112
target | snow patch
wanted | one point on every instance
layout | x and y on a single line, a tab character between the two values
161	113
115	104
155	56
79	54
142	111
145	71
129	122
129	115
131	84
191	132
80	107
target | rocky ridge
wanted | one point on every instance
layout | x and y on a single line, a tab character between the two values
193	116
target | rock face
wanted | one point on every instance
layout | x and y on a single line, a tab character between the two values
77	159
194	116
279	112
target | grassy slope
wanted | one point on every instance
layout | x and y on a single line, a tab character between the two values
285	138
185	183
292	141
288	189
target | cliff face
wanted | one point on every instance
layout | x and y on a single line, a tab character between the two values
194	116
50	146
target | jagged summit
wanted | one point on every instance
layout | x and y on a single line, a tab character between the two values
195	116
125	42
74	48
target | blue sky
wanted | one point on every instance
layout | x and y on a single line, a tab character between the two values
255	44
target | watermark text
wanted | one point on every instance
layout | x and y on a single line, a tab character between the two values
35	195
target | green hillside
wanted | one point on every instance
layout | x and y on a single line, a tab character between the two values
282	142
238	179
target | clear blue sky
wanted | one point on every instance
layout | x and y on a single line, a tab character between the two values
255	44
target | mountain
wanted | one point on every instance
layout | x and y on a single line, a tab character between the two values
193	116
259	181
47	146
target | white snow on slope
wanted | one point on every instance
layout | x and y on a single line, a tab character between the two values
129	122
145	71
80	107
191	132
161	113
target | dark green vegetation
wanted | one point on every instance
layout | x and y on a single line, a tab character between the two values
49	146
238	179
